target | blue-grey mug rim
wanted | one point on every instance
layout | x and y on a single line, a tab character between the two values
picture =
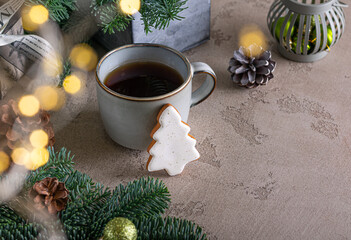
148	99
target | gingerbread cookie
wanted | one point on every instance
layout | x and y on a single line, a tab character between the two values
173	147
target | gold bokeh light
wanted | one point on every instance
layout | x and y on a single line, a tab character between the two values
253	40
20	156
48	97
38	157
4	161
38	14
130	6
84	57
29	105
39	138
72	84
34	16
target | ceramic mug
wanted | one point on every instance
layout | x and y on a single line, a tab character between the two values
129	120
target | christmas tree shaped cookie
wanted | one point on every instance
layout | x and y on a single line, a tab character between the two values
173	147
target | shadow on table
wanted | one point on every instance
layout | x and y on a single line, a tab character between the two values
98	155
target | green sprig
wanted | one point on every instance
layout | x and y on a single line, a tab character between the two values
155	14
92	206
59	10
59	165
140	198
112	19
67	70
168	229
159	13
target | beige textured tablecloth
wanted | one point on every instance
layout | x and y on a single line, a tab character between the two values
276	160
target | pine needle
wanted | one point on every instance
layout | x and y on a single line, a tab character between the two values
168	229
59	10
92	206
155	14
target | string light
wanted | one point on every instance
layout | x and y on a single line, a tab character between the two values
38	157
48	97
20	156
253	40
4	161
39	138
72	84
129	6
38	14
29	105
31	160
84	57
33	17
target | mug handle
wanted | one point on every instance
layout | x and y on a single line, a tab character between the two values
206	89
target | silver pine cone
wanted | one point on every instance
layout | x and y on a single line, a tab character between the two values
251	72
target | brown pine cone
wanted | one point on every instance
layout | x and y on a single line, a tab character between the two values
15	128
51	194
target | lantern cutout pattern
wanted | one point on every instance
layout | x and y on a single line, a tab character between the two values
306	30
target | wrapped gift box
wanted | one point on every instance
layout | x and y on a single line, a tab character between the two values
12	58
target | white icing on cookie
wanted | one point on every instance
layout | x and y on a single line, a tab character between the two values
172	147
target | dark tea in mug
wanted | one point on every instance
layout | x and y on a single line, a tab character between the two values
144	79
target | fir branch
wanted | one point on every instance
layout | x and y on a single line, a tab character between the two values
155	14
92	206
67	70
15	231
59	10
9	216
12	226
113	20
159	13
168	229
95	4
87	197
140	198
60	165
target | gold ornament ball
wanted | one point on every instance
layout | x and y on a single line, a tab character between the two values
295	49
329	35
120	229
280	22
